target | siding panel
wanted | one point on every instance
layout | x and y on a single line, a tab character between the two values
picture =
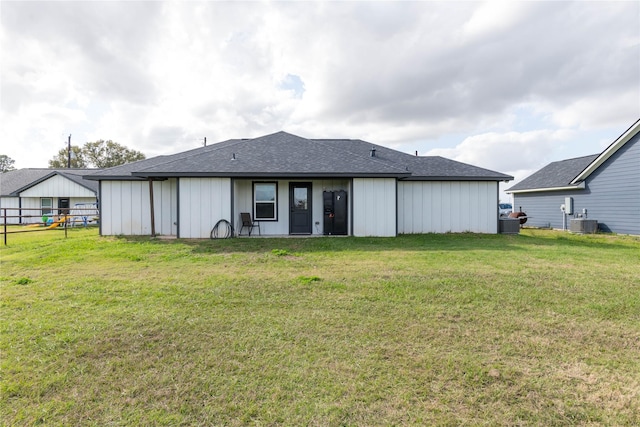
448	206
202	203
126	207
374	207
9	203
165	206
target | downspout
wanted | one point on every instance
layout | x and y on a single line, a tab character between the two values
397	210
497	206
231	220
153	214
100	217
351	206
178	207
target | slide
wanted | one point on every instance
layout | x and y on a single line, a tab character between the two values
58	222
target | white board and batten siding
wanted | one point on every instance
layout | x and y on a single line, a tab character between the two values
203	202
29	207
447	207
243	199
11	204
374	207
57	186
126	208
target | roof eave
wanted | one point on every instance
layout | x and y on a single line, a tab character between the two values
112	178
265	175
458	178
608	152
579	186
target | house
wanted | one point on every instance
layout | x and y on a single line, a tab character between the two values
27	194
298	186
604	187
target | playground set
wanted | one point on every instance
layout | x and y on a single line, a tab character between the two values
50	222
82	214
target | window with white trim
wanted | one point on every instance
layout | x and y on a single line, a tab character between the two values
265	201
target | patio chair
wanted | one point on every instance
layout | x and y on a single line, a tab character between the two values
245	217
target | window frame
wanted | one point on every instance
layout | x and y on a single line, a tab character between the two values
255	202
43	208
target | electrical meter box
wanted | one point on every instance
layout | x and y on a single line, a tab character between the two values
568	205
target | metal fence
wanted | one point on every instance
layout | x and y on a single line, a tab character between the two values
30	220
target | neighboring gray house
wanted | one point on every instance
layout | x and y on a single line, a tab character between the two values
29	193
606	185
287	183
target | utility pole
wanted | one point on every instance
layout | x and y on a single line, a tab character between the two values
69	153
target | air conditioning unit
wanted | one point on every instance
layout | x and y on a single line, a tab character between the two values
509	226
583	226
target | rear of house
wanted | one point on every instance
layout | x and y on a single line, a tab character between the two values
298	186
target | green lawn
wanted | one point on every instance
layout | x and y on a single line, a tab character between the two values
542	328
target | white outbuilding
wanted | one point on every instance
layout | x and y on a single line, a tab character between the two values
28	194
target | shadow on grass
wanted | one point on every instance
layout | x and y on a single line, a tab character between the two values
407	242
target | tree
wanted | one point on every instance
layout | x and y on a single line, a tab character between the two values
60	160
106	154
99	154
6	163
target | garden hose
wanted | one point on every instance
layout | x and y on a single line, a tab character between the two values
222	230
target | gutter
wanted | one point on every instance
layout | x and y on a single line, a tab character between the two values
458	178
580	186
281	175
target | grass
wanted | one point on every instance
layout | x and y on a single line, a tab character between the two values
542	328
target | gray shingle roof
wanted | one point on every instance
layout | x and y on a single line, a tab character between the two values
283	154
279	154
556	174
423	167
13	182
125	171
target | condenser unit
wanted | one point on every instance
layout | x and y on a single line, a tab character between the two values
583	226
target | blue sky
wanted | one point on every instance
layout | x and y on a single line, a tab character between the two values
509	86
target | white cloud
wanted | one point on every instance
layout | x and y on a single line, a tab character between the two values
599	110
160	76
510	152
495	17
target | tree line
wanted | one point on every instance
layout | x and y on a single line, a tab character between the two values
98	154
